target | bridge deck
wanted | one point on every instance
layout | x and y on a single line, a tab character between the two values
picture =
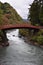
20	26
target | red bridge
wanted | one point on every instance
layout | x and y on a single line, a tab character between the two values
2	27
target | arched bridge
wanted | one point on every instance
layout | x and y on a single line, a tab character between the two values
11	26
18	26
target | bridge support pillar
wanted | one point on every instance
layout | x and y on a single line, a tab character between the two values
35	31
31	32
4	33
4	41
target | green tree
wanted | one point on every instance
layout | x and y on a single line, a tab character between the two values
41	13
36	12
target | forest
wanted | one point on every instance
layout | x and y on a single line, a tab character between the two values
35	17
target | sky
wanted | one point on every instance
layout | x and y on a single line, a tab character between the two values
21	6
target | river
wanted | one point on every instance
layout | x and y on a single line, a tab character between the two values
19	52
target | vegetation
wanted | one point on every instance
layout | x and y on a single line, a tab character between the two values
36	12
36	18
8	14
24	32
38	37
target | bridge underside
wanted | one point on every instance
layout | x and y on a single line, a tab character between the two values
19	26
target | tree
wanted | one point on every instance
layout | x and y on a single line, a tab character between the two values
36	12
41	13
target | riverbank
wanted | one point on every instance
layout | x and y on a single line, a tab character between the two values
31	42
34	39
3	40
4	44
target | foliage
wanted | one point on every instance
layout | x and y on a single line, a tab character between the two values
36	18
24	32
8	14
40	39
35	38
36	12
40	32
41	15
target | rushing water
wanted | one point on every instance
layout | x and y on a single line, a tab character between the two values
20	52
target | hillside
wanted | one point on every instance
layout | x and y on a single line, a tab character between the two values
8	14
